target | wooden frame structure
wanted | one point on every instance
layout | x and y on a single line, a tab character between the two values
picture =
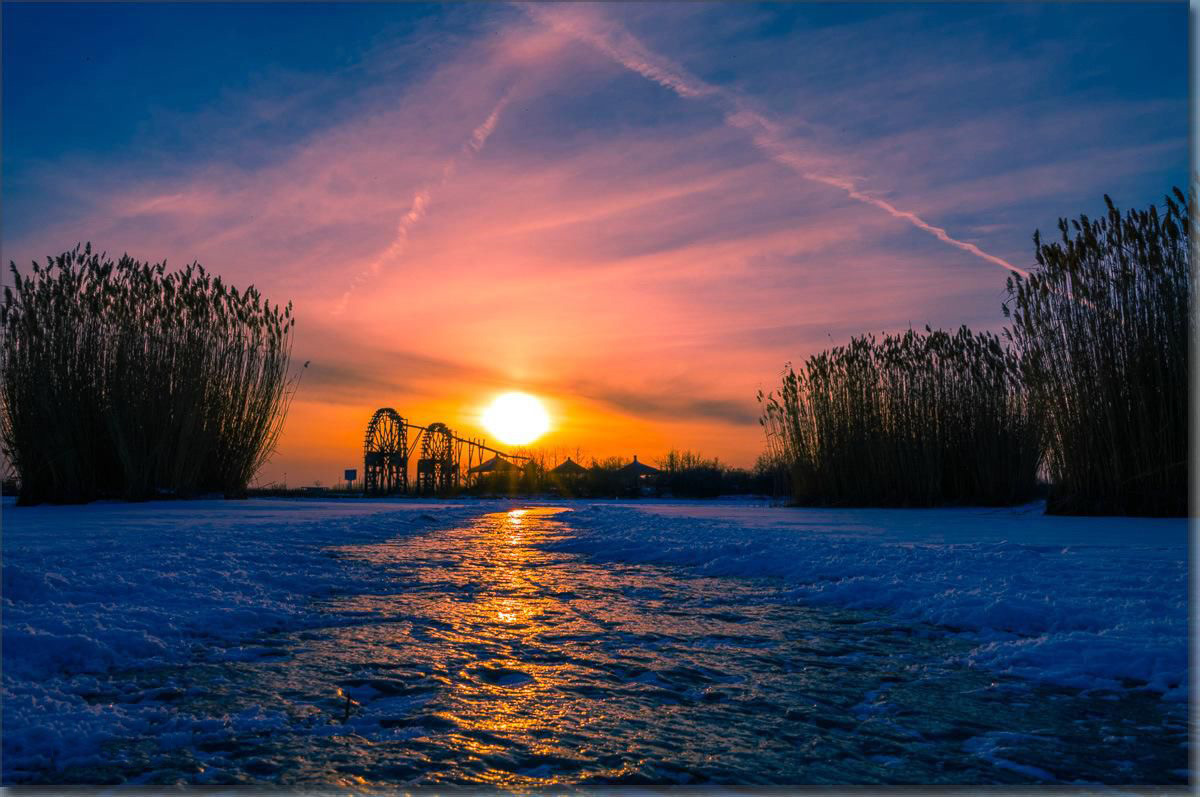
444	463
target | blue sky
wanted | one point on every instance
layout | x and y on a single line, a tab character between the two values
100	79
639	211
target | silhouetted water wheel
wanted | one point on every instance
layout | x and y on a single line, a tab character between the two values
437	472
385	453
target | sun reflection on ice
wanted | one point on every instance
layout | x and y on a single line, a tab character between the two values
514	521
486	657
492	604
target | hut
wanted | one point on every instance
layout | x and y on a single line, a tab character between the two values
496	475
568	469
568	477
638	470
637	475
496	464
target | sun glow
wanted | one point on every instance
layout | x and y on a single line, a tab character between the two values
516	418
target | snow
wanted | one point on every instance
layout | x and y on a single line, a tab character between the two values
113	586
990	745
1095	603
1083	602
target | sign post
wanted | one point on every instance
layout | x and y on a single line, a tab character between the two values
351	474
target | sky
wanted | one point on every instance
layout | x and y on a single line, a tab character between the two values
638	212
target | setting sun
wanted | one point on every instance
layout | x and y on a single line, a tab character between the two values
572	393
516	418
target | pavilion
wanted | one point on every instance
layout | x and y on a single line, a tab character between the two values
637	471
568	469
496	464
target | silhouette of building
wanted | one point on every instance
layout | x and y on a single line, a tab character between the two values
496	464
569	469
637	475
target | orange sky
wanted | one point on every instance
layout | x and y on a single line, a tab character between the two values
628	211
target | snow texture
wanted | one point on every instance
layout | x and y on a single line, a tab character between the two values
110	588
120	587
1082	602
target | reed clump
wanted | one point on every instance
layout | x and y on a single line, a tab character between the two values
1103	326
122	379
915	419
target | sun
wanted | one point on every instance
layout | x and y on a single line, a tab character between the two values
516	418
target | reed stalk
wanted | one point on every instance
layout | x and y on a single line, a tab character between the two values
121	379
1103	324
907	420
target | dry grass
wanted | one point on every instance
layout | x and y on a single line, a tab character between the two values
1103	326
125	380
908	420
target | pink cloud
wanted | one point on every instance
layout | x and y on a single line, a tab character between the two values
648	280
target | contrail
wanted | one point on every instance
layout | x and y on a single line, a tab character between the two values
624	48
422	198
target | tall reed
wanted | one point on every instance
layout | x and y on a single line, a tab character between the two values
122	379
1104	325
909	420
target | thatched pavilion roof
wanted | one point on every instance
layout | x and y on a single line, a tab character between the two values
636	468
495	465
569	468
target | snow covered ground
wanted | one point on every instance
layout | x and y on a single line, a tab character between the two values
112	586
1084	602
94	595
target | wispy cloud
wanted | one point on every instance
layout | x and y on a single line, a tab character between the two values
614	41
530	209
673	405
421	201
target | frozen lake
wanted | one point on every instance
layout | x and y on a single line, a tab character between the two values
376	644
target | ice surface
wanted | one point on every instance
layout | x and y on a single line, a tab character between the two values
1086	602
991	745
113	586
1098	603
